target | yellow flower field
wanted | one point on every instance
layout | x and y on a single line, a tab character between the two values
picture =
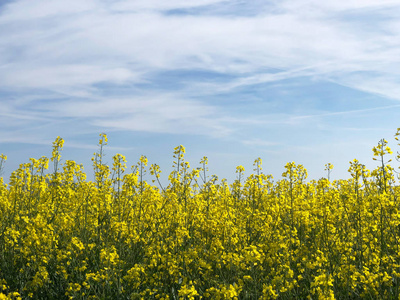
120	237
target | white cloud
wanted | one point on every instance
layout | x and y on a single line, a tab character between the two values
153	41
30	10
348	4
63	75
161	5
259	142
348	112
73	49
150	113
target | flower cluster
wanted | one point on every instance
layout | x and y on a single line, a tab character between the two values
121	237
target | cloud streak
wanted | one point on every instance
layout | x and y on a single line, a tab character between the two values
208	68
89	35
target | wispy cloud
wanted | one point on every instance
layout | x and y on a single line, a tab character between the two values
156	5
259	142
90	43
348	112
190	67
147	113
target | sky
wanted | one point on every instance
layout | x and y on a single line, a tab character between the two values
308	81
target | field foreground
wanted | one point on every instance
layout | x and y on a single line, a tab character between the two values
120	237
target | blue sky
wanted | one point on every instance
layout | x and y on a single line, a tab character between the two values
301	80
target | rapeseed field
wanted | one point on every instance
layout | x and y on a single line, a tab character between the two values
120	237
